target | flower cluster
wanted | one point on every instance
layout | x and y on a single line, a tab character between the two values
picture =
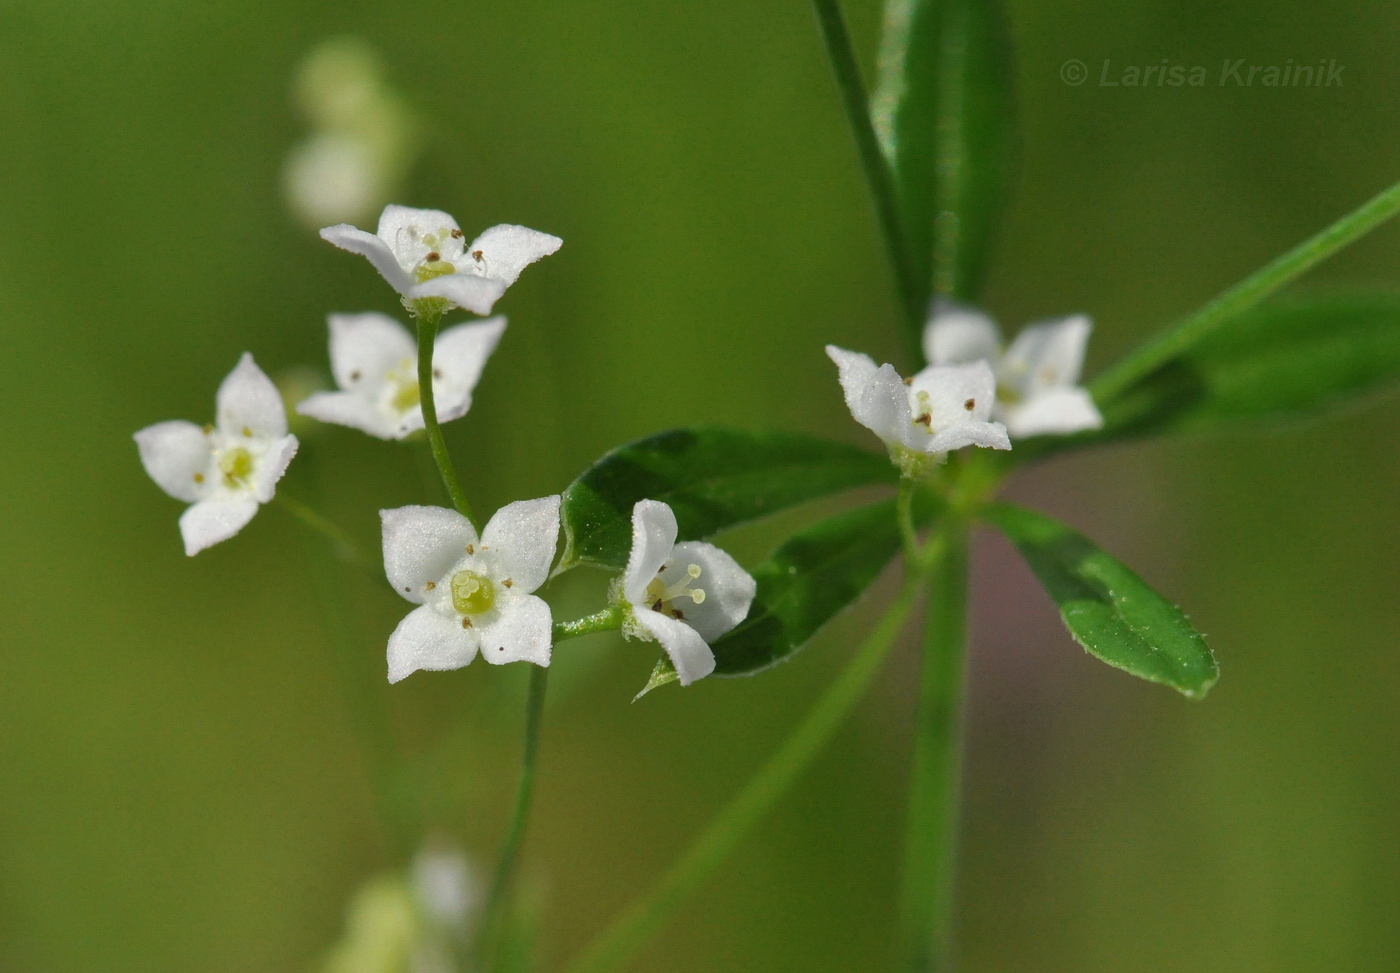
972	393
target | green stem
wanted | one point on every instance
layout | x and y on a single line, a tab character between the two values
345	546
630	932
607	620
912	292
950	167
1246	294
904	512
931	840
497	904
427	334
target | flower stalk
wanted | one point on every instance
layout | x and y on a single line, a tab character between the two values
427	334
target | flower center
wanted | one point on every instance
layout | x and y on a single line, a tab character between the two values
236	465
661	595
472	593
403	379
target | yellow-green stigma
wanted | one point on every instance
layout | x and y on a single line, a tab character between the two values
472	593
429	269
236	466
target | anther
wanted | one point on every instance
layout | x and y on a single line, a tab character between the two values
477	255
970	404
507	583
909	380
457	234
199	478
430	585
471	549
355	376
466	622
247	433
924	420
433	257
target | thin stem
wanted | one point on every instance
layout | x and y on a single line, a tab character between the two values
496	905
904	511
344	545
1246	294
644	918
950	167
931	841
912	293
607	620
427	334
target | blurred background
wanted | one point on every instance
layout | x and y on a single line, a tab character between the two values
182	784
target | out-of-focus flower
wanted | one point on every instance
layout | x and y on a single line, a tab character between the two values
225	470
374	360
362	141
681	595
423	255
474	593
1037	377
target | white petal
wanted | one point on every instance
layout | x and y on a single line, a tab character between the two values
884	408
210	521
729	589
396	218
427	639
353	410
854	371
653	535
421	544
507	249
955	393
172	453
1047	355
459	355
1054	411
519	631
687	651
476	294
372	248
521	538
248	400
364	347
969	433
271	465
957	334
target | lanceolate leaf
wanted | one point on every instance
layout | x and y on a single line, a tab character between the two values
809	580
1108	609
712	478
944	114
1279	364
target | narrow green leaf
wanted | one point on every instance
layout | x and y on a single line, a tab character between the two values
944	112
808	581
712	478
1107	608
1279	364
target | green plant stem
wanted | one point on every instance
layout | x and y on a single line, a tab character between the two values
935	785
345	547
904	511
644	918
496	908
951	155
427	335
607	620
1246	294
913	292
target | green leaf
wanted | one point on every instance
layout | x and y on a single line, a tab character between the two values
1279	364
944	112
809	580
1106	607
712	478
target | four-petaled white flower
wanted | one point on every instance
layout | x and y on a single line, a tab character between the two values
474	593
681	595
923	418
1036	377
374	359
225	470
423	255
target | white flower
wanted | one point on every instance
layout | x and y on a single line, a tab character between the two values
375	362
447	889
681	595
333	177
423	256
224	470
475	592
923	418
1037	390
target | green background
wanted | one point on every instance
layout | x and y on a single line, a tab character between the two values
180	786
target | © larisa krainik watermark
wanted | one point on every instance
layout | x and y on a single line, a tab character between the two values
1233	73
